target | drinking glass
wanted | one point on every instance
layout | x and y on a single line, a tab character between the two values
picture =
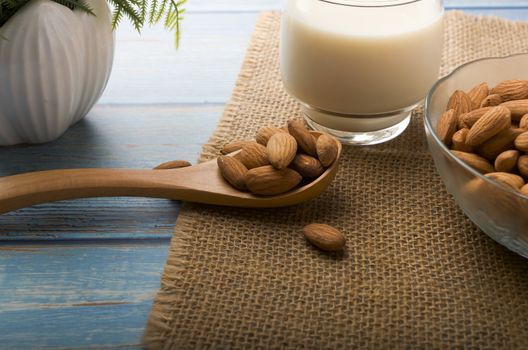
359	67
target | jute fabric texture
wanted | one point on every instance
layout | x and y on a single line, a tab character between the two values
416	273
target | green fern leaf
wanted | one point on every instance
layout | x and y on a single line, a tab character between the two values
126	8
116	17
153	7
80	5
160	11
138	12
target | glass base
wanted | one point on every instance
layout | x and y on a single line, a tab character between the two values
398	121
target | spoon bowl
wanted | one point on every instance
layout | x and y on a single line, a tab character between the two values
201	183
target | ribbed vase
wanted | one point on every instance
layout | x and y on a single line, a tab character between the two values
54	66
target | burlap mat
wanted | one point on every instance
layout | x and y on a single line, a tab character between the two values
416	272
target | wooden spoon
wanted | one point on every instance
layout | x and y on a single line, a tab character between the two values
201	183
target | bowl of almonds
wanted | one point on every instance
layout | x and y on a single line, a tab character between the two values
476	122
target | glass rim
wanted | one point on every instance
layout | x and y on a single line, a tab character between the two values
369	4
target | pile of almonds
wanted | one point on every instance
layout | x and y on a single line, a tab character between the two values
279	159
488	129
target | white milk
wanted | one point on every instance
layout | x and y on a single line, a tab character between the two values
360	60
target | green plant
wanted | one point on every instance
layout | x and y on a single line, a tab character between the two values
138	12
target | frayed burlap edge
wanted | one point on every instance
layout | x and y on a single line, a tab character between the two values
158	325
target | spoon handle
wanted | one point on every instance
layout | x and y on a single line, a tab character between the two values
20	191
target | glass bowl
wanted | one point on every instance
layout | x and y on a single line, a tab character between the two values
500	212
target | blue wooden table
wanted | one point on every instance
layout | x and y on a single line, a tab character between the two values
83	274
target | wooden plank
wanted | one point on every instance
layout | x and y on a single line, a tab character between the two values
193	6
76	296
83	327
120	136
112	136
52	276
148	68
109	219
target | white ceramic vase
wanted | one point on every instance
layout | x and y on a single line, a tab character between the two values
54	66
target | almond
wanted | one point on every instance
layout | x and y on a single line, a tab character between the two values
265	133
522	165
253	155
324	237
305	139
490	124
447	126
233	171
517	108
491	100
327	149
282	148
268	181
460	102
458	141
475	161
521	142
307	166
513	89
506	161
468	119
173	164
523	123
234	146
473	187
477	94
461	124
510	180
499	143
524	190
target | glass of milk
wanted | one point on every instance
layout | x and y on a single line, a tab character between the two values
359	67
